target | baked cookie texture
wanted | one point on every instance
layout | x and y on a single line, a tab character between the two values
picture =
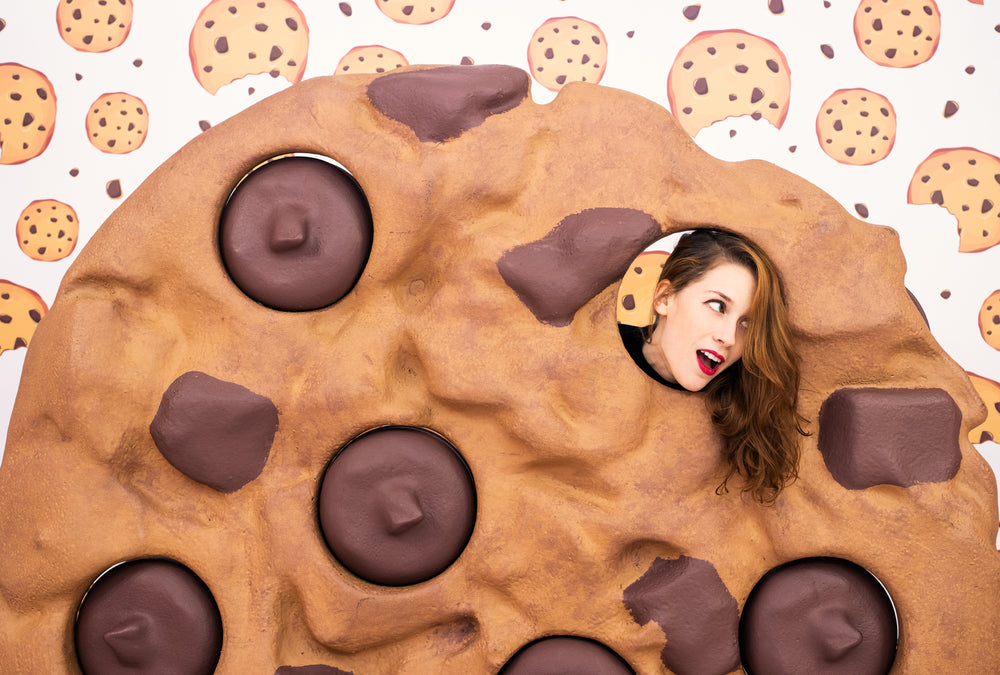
484	323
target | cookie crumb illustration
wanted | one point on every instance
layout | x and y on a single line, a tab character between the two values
721	74
691	12
950	108
20	311
117	123
370	59
114	188
345	9
856	126
27	113
235	38
48	230
897	33
94	25
963	181
567	49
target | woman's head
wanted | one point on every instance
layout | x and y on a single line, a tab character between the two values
707	264
721	324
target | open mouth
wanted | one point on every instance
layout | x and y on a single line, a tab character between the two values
709	361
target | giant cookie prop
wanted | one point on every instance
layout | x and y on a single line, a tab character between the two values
286	417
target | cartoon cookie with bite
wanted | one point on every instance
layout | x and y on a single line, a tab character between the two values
728	73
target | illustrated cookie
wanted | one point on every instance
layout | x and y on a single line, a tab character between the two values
370	59
20	311
989	391
415	12
989	320
48	230
728	73
897	33
117	123
567	49
963	181
235	38
635	294
27	113
94	25
856	126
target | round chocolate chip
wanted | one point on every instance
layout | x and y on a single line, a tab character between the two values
397	505
566	654
150	615
296	234
818	615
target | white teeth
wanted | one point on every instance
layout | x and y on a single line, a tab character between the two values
711	357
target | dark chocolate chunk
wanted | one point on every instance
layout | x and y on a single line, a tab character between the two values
114	189
439	104
296	234
776	6
628	302
315	669
397	506
697	613
950	108
149	615
345	8
946	294
862	210
827	51
563	654
890	436
701	86
818	615
691	12
587	251
215	432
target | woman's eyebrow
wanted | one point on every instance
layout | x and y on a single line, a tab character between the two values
722	295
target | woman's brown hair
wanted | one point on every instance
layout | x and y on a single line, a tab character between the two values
753	403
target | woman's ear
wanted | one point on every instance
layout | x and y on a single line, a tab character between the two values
661	298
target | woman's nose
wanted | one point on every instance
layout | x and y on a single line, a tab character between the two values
726	334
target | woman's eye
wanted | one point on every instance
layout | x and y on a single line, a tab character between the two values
717	305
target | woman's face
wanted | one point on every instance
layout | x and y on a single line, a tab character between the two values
701	329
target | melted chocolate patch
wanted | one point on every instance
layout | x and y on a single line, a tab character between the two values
397	506
586	252
818	615
696	611
215	432
440	104
566	654
890	436
311	670
296	234
149	616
